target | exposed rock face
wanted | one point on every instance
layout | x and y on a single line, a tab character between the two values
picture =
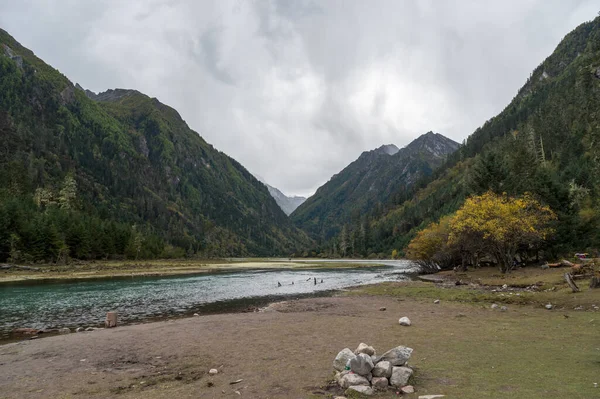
382	369
342	359
288	204
350	380
397	356
361	364
400	376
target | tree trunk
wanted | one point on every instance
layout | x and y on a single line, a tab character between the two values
569	280
595	282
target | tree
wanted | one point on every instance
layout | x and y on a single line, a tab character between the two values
430	247
500	225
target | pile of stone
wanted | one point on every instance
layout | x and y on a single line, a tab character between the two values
364	372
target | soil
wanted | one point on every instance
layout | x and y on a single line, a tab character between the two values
285	351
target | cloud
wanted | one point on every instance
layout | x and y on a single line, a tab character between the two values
296	90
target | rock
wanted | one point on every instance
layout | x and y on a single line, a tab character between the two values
437	301
400	376
79	329
364	348
90	329
431	396
407	389
494	306
352	379
504	286
597	73
383	309
380	383
368	391
111	320
404	321
503	308
64	330
196	314
382	369
339	397
342	359
397	356
26	331
339	375
213	371
361	364
549	306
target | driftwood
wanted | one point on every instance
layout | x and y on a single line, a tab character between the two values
569	280
595	282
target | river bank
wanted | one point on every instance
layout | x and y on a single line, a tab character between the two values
462	347
178	267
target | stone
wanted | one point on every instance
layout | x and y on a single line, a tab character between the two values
437	301
339	397
352	379
342	359
79	329
549	306
213	371
383	309
111	320
196	314
382	369
64	330
397	356
368	391
361	364
505	286
431	396
503	308
404	321
380	383
407	389
90	329
400	376
364	348
494	306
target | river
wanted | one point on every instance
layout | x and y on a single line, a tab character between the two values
84	303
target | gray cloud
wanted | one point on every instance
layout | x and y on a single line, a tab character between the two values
295	90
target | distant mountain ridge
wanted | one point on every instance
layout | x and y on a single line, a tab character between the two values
368	181
286	203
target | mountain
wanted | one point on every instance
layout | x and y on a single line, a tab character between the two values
287	204
116	174
374	178
545	142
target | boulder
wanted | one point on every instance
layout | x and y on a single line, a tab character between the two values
64	330
404	321
361	364
382	369
407	389
400	376
380	383
342	359
352	379
397	356
364	348
368	391
339	375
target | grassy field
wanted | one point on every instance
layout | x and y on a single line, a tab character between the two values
102	269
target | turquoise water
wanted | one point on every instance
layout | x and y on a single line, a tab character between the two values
85	303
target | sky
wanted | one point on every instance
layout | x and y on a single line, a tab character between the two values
295	90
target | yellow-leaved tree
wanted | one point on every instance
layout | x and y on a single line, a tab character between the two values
499	225
430	247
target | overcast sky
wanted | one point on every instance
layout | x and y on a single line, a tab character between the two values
295	90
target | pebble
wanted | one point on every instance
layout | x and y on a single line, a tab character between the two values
503	308
431	396
383	308
549	306
436	301
408	389
404	321
494	306
213	371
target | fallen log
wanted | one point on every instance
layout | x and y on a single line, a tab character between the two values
569	280
7	266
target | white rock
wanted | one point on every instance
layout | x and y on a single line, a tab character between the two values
380	383
342	359
196	314
361	364
382	369
364	348
404	321
213	371
407	389
503	308
494	306
64	330
79	329
436	301
505	286
431	396
368	391
352	379
400	376
397	356
549	306
339	397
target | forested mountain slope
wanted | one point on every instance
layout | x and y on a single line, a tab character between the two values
118	173
374	178
546	141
